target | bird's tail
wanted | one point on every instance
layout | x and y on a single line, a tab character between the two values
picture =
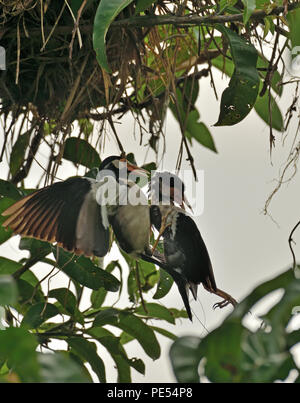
183	288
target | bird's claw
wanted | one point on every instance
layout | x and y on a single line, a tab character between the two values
224	303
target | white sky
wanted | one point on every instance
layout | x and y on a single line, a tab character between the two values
246	247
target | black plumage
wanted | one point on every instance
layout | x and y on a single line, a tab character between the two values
186	256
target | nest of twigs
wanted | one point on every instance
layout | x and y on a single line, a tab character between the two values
52	76
51	64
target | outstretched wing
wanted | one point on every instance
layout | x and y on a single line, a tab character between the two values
65	212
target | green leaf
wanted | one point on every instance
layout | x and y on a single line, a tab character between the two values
132	325
8	290
83	270
155	311
280	314
118	354
39	313
107	316
18	152
264	359
293	18
5	234
60	368
98	296
8	266
81	152
188	115
116	350
7	189
142	5
164	332
185	359
68	302
105	14
149	275
239	97
18	346
164	285
281	281
263	107
36	247
88	352
250	6
28	293
199	131
232	353
223	357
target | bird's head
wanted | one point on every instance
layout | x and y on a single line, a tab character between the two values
121	169
167	187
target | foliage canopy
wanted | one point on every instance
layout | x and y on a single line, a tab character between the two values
84	64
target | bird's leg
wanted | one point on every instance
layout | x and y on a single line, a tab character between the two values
163	227
227	298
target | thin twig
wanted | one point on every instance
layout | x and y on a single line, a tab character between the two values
290	240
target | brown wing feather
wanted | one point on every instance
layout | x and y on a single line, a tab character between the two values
51	214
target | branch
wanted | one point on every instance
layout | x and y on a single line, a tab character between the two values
23	171
290	240
127	106
192	19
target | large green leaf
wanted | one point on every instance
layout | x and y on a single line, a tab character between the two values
83	270
199	131
143	333
164	332
250	6
36	247
239	97
18	347
186	113
8	290
233	353
116	350
269	111
132	325
293	18
155	311
164	285
223	359
7	189
185	359
81	152
88	351
8	266
67	303
142	5
60	368
39	313
106	13
28	293
98	296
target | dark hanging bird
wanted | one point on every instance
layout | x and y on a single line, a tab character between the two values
76	213
186	256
